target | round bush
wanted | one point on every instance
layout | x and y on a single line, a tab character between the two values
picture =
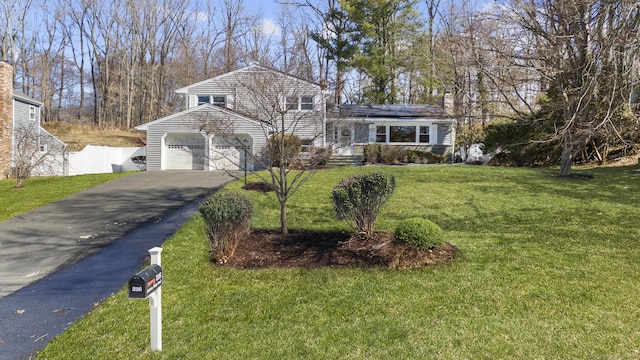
226	217
420	232
360	197
231	208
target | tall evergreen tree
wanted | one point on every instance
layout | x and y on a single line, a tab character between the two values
385	29
338	38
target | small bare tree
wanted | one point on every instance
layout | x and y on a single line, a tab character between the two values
36	153
288	113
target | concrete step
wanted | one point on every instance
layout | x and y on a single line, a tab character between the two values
344	160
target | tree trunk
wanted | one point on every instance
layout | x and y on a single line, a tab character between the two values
283	217
567	156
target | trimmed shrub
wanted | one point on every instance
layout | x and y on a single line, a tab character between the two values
359	198
424	157
393	155
372	153
227	219
284	150
319	156
420	232
412	156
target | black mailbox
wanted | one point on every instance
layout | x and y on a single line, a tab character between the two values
142	284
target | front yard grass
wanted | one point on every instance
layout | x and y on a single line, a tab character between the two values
38	191
549	270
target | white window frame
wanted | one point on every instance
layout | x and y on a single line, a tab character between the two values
384	133
199	102
420	134
215	100
292	103
296	103
433	133
32	113
212	100
307	102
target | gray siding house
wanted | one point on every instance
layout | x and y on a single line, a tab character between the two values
21	136
229	118
414	127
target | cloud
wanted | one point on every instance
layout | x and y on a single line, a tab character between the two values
200	16
270	28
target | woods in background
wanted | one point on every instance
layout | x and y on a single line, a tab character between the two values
567	70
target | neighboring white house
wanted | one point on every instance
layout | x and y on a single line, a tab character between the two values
21	136
254	102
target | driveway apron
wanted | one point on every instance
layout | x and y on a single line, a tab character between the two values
62	259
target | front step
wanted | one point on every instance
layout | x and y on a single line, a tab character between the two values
344	160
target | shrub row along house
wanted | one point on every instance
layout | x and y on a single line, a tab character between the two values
229	119
26	148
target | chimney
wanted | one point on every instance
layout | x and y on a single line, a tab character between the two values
6	116
447	102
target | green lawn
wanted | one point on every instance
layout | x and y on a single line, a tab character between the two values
43	190
549	270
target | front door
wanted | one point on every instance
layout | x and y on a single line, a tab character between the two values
343	139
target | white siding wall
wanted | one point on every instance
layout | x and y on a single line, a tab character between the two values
254	92
155	133
192	122
445	134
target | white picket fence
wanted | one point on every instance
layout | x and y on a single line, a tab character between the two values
105	159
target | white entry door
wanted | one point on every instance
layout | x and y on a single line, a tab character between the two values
343	139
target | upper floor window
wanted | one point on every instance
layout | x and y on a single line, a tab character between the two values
306	103
297	103
218	100
291	103
32	112
203	99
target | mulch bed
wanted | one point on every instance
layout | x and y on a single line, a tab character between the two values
263	249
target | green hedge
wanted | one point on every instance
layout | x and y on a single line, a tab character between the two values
227	219
420	232
359	198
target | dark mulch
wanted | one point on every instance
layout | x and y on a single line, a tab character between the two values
263	249
259	186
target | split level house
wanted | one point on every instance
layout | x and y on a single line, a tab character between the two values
229	119
23	142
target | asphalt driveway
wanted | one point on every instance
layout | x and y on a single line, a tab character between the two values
47	254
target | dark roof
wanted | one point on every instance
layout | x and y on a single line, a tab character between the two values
19	95
390	111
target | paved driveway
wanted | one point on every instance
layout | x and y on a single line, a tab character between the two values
104	232
35	244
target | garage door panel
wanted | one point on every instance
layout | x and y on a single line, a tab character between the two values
184	151
224	158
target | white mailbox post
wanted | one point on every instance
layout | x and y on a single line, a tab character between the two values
155	303
148	284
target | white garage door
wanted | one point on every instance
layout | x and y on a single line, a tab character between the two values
184	151
224	157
